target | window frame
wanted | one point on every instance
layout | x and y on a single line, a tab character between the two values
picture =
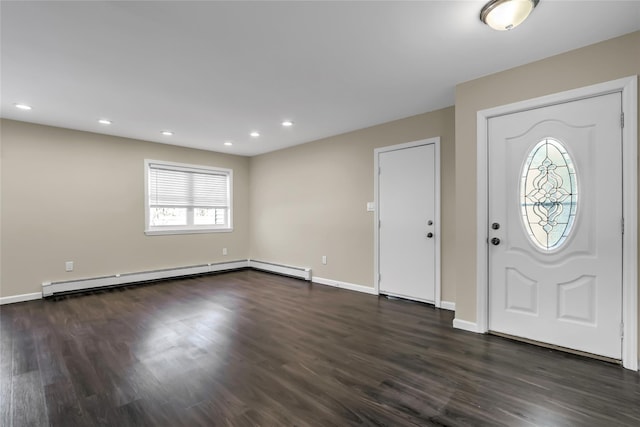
189	228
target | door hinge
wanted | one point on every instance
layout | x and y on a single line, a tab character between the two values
622	225
379	277
622	120
379	170
379	223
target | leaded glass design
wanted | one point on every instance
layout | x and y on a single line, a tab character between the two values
548	194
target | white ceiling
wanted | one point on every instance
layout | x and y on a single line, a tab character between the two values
215	71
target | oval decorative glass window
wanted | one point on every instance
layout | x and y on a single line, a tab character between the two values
548	194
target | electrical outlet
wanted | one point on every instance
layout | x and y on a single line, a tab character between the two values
224	251
324	259
68	266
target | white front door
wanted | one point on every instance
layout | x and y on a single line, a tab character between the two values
407	221
555	225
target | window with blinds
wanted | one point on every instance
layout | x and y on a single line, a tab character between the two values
187	198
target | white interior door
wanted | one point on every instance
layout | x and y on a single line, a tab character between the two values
555	219
407	222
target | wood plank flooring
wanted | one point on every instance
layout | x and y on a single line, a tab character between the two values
253	349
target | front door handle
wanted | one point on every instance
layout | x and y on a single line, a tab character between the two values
495	241
429	235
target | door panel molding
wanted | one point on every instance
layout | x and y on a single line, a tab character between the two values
437	229
628	87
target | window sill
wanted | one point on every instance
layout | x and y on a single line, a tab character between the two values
187	231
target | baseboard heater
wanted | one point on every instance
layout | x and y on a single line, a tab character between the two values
53	288
286	270
70	286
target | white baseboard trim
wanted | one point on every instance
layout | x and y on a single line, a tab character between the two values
344	285
288	270
448	305
20	298
465	325
50	288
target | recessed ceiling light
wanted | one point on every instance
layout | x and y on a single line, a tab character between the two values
23	106
228	143
287	123
166	133
104	122
255	134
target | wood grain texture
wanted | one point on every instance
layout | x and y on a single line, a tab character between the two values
253	349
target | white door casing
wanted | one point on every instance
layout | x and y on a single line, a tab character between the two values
555	258
628	88
407	218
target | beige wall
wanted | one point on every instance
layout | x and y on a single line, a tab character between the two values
310	200
598	63
307	201
78	196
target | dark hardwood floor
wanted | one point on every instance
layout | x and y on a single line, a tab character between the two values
248	348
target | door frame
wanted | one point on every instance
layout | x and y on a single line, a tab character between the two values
628	87
376	240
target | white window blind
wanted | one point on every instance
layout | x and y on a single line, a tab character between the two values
187	198
180	188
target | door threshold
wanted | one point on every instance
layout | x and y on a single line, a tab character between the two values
557	347
407	299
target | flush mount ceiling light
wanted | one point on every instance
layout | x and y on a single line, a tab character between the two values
287	123
228	143
255	134
503	15
104	122
166	133
23	106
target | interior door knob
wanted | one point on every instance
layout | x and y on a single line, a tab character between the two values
429	235
495	241
495	226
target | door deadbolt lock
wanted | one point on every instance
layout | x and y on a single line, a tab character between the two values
495	241
495	226
429	235
429	222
